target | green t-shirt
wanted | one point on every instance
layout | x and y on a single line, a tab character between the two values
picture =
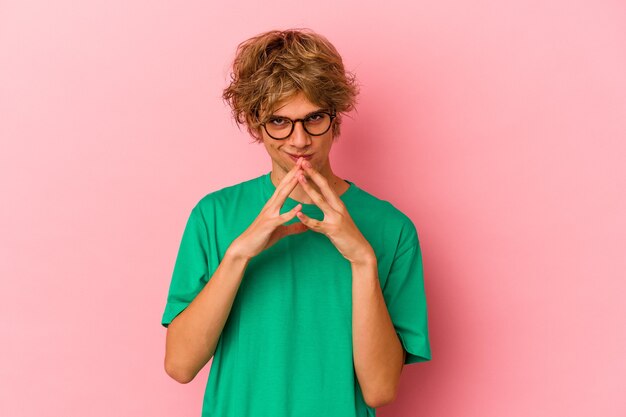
286	347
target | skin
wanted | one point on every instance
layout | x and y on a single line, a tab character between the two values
299	143
192	336
378	354
377	351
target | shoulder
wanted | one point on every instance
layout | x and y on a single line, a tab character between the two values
390	231
386	213
224	196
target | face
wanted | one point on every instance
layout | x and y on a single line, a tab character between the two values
300	142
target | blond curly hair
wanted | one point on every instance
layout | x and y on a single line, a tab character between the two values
276	65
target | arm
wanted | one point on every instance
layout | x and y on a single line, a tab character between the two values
192	336
378	353
377	350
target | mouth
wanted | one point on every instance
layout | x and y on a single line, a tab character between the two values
295	158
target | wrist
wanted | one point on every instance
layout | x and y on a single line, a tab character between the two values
235	255
367	259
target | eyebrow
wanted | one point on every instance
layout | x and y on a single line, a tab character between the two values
304	117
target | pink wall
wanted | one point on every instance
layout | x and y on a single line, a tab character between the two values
497	126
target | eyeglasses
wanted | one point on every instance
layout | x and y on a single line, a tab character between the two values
315	124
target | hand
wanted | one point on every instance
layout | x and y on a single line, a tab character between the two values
337	225
268	227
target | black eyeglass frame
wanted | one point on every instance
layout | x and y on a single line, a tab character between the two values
332	116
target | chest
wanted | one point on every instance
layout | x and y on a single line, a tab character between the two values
303	277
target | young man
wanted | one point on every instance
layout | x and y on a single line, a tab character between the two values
306	290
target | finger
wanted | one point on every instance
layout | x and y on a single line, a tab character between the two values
277	223
290	174
285	187
309	222
294	228
329	194
317	198
294	169
284	230
288	215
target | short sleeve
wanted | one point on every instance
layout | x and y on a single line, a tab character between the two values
191	269
406	299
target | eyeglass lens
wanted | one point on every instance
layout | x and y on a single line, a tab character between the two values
315	124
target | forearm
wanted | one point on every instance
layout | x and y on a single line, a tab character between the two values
192	336
378	353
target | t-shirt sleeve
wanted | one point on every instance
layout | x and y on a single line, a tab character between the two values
191	269
405	297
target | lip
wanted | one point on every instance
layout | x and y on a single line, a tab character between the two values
295	158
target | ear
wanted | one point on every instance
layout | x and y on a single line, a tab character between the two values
336	126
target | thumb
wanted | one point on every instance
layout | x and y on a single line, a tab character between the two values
294	228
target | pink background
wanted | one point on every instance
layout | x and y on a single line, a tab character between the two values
497	126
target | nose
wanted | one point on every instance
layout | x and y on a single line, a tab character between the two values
299	138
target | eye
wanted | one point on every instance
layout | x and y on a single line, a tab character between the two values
278	122
315	117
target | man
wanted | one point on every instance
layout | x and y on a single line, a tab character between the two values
306	290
